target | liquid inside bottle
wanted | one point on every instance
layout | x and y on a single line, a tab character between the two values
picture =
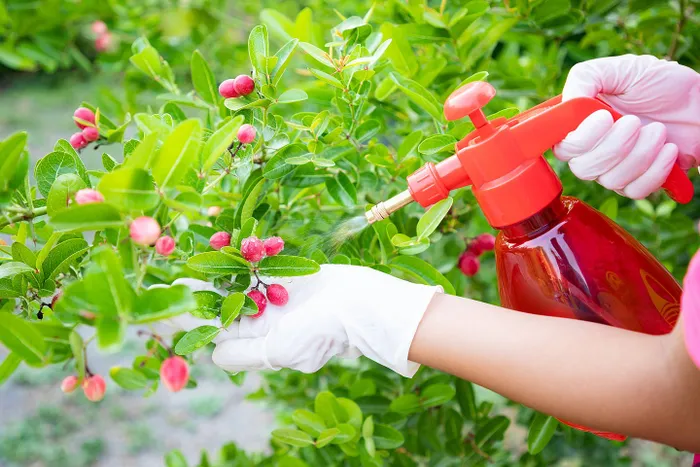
571	261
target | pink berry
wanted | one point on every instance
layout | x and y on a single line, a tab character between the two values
260	300
277	294
69	384
98	27
174	373
227	89
213	211
81	115
273	245
91	134
104	42
485	242
144	230
94	388
246	134
220	240
56	298
252	249
78	141
469	264
88	196
165	245
244	85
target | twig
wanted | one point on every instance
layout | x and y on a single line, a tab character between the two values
679	29
27	215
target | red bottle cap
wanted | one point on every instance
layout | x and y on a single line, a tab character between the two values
503	159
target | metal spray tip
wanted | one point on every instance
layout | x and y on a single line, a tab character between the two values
384	209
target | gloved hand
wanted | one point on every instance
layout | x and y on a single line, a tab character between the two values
660	103
344	311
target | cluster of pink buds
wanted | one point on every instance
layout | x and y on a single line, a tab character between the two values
241	85
103	38
469	262
253	250
94	386
146	231
84	118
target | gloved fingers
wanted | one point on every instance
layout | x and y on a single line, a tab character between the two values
655	176
609	75
610	150
585	137
651	139
242	355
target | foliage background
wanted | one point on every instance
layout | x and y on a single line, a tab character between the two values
48	65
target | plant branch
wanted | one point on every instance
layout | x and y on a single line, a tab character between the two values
679	29
25	216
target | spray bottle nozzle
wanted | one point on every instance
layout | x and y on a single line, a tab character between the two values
382	210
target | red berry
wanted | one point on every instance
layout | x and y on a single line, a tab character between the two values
277	294
69	384
220	240
144	230
88	196
174	373
244	85
98	27
273	245
94	388
469	264
260	300
252	249
246	134
78	141
227	89
91	134
82	115
485	242
165	245
103	42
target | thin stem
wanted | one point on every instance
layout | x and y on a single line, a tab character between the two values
679	29
27	215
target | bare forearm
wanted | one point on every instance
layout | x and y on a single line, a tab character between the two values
599	376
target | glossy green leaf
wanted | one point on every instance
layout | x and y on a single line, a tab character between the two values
292	95
422	271
219	141
327	407
432	218
326	78
386	437
62	192
87	217
8	366
436	394
214	262
419	96
368	427
284	56
203	79
231	308
318	54
437	143
129	189
277	167
128	378
285	266
342	190
145	154
466	399
326	437
12	268
77	347
258	48
492	430
406	404
179	152
541	431
162	303
55	164
610	208
62	256
22	338
196	339
308	421
292	437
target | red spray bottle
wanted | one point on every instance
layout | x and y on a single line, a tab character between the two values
555	255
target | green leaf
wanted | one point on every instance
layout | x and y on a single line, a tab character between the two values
196	339
326	437
318	54
145	153
55	164
406	404
219	141
231	308
208	304
203	79
368	427
326	405
419	96
386	437
292	95
77	348
250	202
250	308
12	268
309	422
493	429
287	266
342	190
409	145
11	150
96	216
347	434
326	78
400	53
609	208
284	56
278	167
352	410
646	207
62	256
129	189
370	447
258	48
541	431
422	271
292	437
175	459
436	394
363	387
20	252
432	218
162	303
466	399
128	378
437	143
63	189
478	76
215	262
179	152
367	130
147	61
22	338
8	366
486	44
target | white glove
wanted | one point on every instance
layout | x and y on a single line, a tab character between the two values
344	311
660	103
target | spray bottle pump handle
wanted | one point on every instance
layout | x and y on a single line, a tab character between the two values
543	126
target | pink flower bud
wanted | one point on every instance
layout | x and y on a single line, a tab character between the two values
252	249
213	211
220	240
174	373
246	134
259	298
70	384
91	134
98	27
469	264
88	196
94	388
144	230
83	114
56	298
78	141
104	42
244	85
227	89
165	245
273	245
